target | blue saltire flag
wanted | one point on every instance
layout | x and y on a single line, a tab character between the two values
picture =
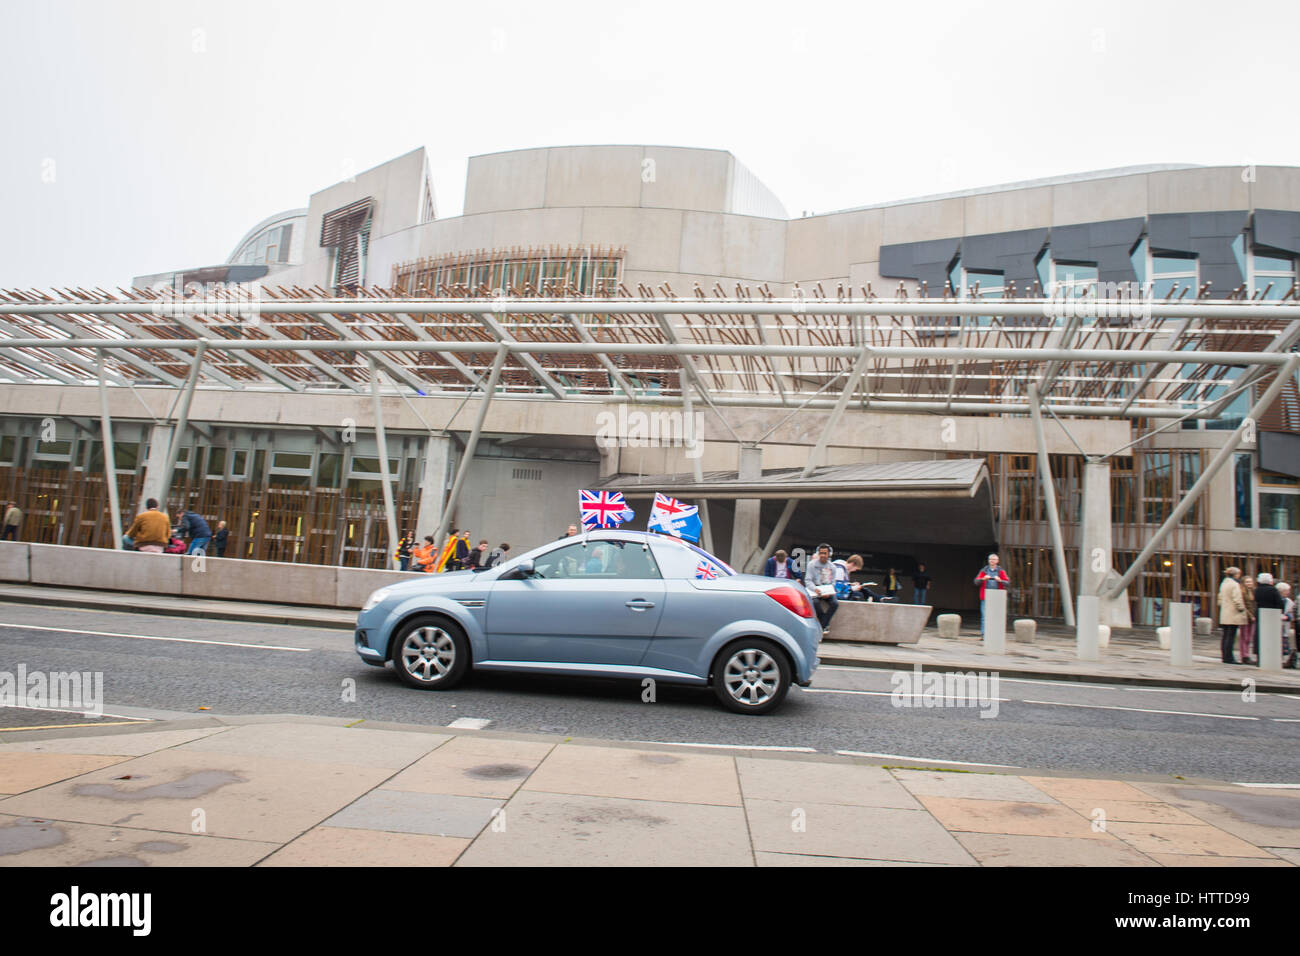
677	518
603	509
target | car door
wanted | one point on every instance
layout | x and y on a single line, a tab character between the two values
594	602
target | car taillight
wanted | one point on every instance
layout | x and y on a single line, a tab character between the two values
792	599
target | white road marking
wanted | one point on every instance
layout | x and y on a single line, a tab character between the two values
888	693
150	637
1140	710
1269	786
1286	720
469	723
64	710
684	743
956	763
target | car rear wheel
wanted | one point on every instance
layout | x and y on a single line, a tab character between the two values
431	653
751	676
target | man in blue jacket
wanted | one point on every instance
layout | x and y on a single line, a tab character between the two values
780	565
190	525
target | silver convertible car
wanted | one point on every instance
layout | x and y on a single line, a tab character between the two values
608	604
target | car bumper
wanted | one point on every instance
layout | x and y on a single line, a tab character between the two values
367	653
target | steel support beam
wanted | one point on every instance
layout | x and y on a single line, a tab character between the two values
1221	457
814	457
1049	498
467	456
110	457
390	513
697	467
182	420
499	332
615	376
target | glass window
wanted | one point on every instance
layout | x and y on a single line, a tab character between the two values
217	463
1279	512
239	465
1139	259
1271	276
1157	486
1243	491
7	447
331	469
293	460
370	466
598	559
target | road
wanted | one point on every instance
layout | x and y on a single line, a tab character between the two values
162	666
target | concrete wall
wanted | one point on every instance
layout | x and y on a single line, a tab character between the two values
174	577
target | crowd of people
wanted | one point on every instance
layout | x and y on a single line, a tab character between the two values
1241	598
153	532
829	581
456	555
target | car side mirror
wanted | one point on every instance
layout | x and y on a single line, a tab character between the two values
524	569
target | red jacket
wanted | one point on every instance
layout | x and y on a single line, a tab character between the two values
982	580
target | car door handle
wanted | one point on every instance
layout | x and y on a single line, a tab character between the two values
640	604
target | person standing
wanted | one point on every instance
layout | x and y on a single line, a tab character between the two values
460	561
151	531
891	583
191	525
821	575
220	538
991	577
498	555
423	558
403	553
476	557
780	565
920	585
1290	654
1267	595
573	529
1232	612
13	521
1248	643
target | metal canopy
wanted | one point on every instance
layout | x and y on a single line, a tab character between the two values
1156	359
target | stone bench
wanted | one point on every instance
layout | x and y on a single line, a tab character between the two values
873	622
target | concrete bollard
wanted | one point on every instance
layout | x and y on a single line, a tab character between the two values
995	621
1026	630
1270	639
1162	636
1103	635
949	625
1085	632
1180	634
1204	626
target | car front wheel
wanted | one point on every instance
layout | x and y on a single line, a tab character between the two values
431	654
751	676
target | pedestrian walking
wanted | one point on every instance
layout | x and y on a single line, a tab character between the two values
151	531
498	555
1249	646
991	578
476	557
423	558
12	522
191	525
1267	595
920	585
819	579
780	565
220	538
1232	612
891	583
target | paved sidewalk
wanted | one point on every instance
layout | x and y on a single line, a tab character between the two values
1132	657
288	791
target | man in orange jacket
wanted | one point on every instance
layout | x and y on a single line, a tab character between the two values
422	558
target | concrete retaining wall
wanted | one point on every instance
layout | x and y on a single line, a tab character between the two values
271	582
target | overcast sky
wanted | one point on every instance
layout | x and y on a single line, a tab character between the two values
146	136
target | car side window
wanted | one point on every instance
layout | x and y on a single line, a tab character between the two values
598	559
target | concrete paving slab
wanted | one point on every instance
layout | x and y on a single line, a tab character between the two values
763	858
1288	853
39	841
355	746
499	748
1175	859
812	782
1202	840
401	811
341	846
556	829
869	833
638	775
1007	817
1005	849
1261	817
972	786
240	796
126	744
21	772
1090	793
464	773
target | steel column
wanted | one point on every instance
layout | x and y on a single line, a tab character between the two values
1221	457
182	421
706	529
1049	498
110	457
467	456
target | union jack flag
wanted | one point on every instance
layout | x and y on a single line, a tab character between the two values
603	509
705	572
